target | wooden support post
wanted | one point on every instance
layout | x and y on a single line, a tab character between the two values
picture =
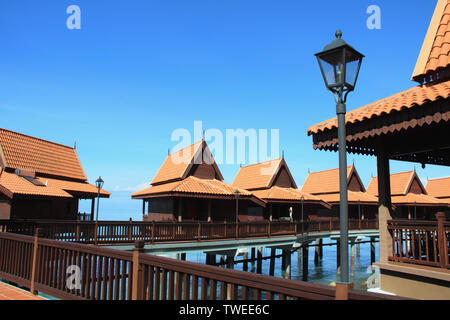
299	259
259	261
77	231
384	207
287	263
153	232
270	213
352	257
183	256
372	250
342	290
35	261
180	214
209	210
253	254
136	289
230	265
358	248
130	230
317	251
442	239
272	261
95	233
92	209
199	232
305	258
245	264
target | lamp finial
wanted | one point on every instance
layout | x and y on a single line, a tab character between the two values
338	34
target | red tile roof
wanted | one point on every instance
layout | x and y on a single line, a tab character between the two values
84	188
260	175
324	181
416	96
439	188
19	151
193	186
290	195
177	165
435	53
12	186
400	183
353	198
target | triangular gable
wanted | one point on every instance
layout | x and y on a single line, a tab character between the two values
415	185
323	182
179	165
434	53
264	175
354	181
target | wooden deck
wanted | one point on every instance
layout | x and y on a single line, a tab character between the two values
8	292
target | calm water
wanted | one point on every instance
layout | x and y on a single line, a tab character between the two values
324	272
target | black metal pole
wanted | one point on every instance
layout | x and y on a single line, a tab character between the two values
98	201
343	210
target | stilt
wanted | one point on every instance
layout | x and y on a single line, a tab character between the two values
352	257
338	256
299	258
259	261
287	263
372	250
358	248
183	256
210	259
253	255
318	252
245	264
272	261
230	265
305	258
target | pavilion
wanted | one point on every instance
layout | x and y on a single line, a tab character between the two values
325	185
409	197
189	186
272	181
40	179
413	126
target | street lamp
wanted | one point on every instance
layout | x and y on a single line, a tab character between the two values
99	183
237	194
340	64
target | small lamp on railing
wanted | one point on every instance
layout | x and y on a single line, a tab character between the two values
99	183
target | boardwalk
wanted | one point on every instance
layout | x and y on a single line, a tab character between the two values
8	292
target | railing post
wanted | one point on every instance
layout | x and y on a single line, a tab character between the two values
153	232
331	224
269	228
199	230
342	290
136	292
77	232
442	241
130	230
95	232
35	262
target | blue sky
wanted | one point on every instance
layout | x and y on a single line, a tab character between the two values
138	70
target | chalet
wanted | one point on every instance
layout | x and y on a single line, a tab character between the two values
409	197
40	179
272	181
189	186
412	125
325	185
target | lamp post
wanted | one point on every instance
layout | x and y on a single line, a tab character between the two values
99	183
340	64
237	194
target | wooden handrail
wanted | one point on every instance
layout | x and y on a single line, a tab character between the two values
108	274
112	232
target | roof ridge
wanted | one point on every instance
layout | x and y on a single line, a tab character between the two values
443	178
259	163
348	167
36	138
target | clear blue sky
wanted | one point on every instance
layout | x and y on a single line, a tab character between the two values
138	70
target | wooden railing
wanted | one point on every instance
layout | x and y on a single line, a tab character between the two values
77	271
421	242
115	232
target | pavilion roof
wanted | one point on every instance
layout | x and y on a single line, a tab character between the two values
326	181
196	187
261	175
178	164
290	195
439	188
19	151
400	184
